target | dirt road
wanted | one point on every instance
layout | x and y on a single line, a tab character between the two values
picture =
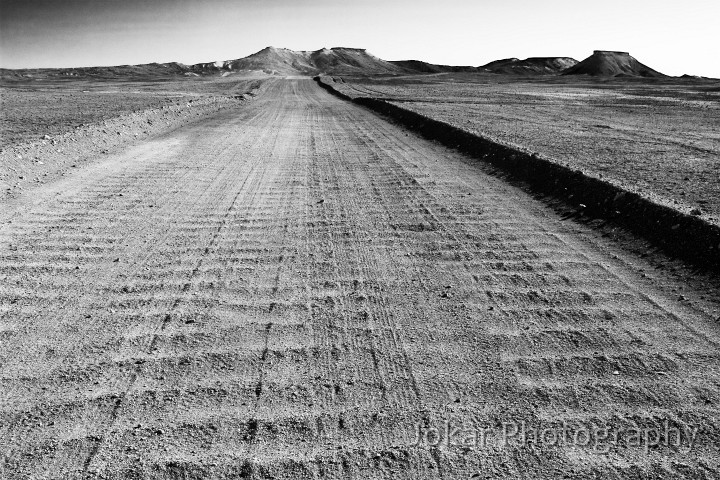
299	289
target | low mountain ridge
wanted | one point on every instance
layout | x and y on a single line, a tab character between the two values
418	66
351	61
530	66
499	63
347	61
271	60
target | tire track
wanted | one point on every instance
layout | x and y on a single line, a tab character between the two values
169	316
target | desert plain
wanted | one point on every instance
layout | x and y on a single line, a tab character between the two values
238	274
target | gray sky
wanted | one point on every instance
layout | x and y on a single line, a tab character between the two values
671	36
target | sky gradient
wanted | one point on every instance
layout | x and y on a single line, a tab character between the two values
669	36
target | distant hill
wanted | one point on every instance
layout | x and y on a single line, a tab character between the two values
530	66
506	66
330	61
418	66
351	61
604	63
273	60
499	63
150	70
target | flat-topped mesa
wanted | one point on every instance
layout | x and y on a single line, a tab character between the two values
606	63
350	49
610	52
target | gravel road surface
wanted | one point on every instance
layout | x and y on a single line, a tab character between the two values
298	288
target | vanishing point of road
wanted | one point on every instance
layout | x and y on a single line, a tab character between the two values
298	288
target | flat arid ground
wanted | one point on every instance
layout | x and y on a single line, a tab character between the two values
31	110
657	137
295	287
49	127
